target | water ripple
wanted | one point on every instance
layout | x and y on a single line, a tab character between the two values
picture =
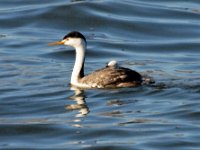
159	39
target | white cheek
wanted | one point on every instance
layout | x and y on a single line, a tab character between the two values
76	42
73	42
68	42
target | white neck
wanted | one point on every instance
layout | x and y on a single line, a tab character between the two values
78	70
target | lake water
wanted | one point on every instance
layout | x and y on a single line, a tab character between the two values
39	110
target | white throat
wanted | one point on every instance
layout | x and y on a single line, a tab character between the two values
78	70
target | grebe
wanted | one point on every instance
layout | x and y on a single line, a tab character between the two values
112	63
112	76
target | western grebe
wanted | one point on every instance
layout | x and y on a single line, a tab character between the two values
112	63
112	76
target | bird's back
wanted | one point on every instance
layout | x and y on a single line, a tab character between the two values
112	77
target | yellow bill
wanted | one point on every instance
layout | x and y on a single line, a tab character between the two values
56	43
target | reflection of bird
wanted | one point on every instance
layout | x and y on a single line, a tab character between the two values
112	76
80	105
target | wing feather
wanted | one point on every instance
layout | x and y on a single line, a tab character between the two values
110	76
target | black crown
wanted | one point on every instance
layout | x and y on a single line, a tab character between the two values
74	34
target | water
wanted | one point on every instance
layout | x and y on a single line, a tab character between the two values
38	110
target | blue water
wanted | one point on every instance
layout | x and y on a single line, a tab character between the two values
39	110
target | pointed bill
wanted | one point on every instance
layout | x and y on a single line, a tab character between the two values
56	43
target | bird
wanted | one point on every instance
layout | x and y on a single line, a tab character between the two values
111	76
112	63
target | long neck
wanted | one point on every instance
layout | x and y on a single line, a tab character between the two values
78	70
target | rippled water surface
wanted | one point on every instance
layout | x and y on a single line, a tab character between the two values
161	39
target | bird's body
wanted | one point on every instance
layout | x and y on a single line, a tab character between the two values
111	76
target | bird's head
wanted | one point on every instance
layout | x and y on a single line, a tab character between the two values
74	39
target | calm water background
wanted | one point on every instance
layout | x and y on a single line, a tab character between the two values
38	110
